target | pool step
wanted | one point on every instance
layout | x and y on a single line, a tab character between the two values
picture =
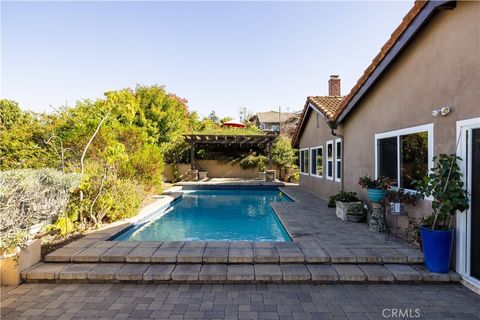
232	273
236	252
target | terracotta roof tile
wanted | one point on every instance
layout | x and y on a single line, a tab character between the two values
327	105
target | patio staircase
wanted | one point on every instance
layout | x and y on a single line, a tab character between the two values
93	260
324	250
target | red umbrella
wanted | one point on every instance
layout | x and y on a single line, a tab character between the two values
234	124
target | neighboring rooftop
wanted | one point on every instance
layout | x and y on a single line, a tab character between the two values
273	116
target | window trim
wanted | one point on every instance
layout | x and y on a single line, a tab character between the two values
397	133
336	159
301	161
331	159
311	165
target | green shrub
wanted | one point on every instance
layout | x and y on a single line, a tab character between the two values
29	197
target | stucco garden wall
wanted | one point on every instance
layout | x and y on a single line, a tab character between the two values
216	169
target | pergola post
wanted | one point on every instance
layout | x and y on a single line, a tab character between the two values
270	160
192	156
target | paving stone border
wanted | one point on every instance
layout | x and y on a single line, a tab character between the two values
223	273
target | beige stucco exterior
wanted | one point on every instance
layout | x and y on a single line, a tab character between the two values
314	136
440	67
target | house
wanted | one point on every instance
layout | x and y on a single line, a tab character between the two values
320	149
273	121
419	97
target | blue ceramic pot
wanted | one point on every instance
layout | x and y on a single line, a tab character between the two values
437	249
376	195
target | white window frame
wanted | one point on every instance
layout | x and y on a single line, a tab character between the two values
301	161
327	159
311	162
397	133
338	160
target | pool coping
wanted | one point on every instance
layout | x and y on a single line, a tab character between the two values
98	246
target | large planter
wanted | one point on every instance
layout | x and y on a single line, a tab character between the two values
12	265
202	175
376	195
262	176
437	249
342	208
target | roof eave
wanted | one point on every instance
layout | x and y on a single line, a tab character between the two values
404	39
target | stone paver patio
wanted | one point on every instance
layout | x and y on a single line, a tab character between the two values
324	249
238	301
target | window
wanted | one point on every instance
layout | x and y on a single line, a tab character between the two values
317	161
338	160
304	162
330	160
317	119
404	155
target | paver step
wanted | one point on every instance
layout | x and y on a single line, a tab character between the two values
229	273
236	252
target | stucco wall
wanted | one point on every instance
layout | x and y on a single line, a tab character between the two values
315	137
216	169
441	67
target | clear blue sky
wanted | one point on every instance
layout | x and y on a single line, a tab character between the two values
219	55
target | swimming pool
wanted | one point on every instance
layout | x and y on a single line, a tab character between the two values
215	215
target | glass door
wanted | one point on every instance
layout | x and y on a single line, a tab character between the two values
474	187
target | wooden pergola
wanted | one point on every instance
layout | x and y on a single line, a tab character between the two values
257	140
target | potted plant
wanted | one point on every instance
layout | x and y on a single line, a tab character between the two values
343	201
444	184
397	199
262	175
376	188
356	212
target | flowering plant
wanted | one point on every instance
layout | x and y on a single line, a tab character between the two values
367	182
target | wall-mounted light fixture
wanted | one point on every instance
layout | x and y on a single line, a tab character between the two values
442	111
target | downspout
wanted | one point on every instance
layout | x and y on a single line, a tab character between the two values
333	127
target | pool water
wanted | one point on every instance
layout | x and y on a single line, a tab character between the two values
215	215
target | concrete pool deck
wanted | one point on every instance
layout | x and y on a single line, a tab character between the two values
324	249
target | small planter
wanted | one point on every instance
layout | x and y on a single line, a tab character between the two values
192	175
202	175
355	218
376	195
12	265
342	208
262	176
437	249
271	175
356	212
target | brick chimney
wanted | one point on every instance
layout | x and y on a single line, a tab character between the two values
334	85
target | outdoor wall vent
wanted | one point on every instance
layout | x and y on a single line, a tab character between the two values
442	111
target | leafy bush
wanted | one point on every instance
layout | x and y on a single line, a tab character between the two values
446	187
253	161
29	197
283	154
